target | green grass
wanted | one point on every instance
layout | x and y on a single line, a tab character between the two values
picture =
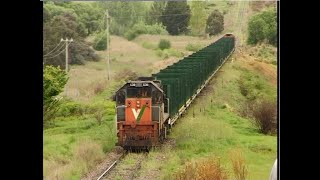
265	52
218	129
78	141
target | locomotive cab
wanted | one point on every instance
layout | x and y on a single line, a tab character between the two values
139	109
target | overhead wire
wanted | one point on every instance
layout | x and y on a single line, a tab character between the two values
61	47
56	54
53	49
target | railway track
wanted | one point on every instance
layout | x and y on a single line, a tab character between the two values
127	169
112	165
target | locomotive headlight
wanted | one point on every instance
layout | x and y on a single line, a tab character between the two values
138	105
138	102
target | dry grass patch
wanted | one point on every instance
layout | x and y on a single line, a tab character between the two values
239	166
203	170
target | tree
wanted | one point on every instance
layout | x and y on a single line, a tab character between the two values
263	27
198	17
176	17
155	13
54	80
270	31
256	29
215	23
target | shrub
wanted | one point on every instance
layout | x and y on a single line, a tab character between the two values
70	109
141	28
164	54
265	116
243	88
206	169
159	53
99	88
193	47
54	80
126	75
164	44
148	45
100	42
174	52
239	167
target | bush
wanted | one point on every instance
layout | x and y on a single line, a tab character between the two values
253	86
148	45
265	116
239	167
100	42
193	47
164	54
207	169
126	75
174	52
71	109
99	88
164	44
159	53
54	80
141	28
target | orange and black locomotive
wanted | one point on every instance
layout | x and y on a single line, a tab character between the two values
140	114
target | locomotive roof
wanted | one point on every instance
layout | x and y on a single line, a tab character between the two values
137	81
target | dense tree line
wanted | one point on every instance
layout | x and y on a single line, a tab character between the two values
79	20
67	20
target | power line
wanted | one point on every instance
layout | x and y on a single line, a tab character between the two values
55	55
53	49
57	50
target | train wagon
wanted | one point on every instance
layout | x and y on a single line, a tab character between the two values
148	106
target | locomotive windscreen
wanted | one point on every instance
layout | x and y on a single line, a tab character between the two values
138	92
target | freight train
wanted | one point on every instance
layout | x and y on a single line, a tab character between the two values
147	108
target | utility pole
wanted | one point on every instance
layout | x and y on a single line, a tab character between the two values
108	44
67	54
